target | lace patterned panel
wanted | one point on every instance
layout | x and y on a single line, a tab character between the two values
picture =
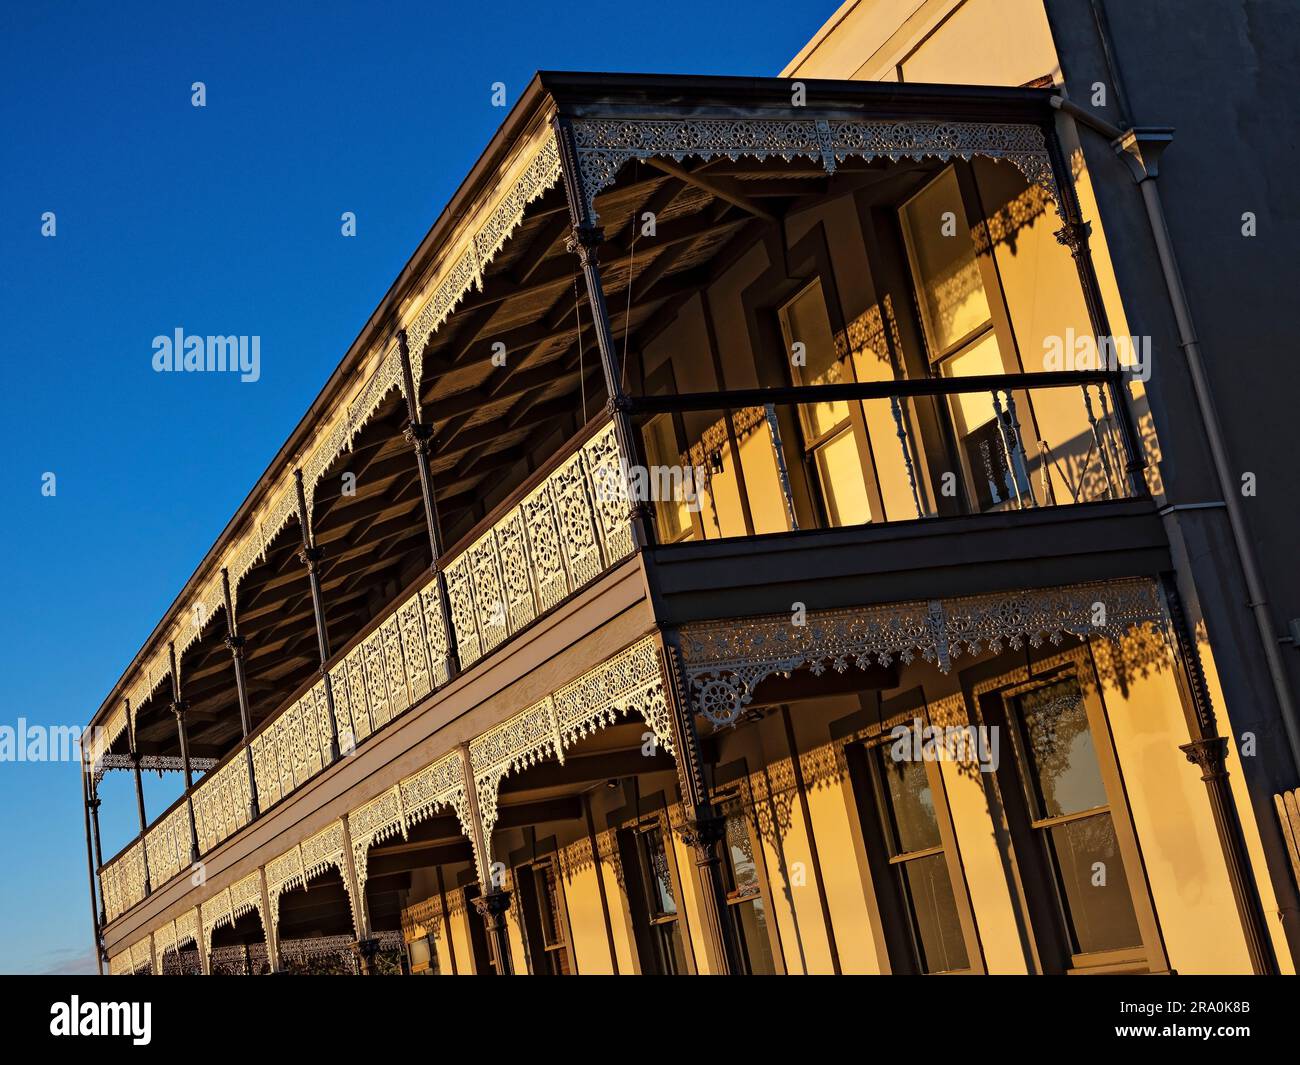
221	803
319	709
399	696
310	725
436	634
604	145
489	599
464	617
438	786
571	492
122	881
379	819
608	480
266	769
415	648
546	555
629	682
168	846
516	570
309	859
359	690
284	752
726	660
376	682
518	742
343	711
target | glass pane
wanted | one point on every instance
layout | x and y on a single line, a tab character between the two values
1063	764
806	323
740	851
973	409
672	955
548	899
1095	885
934	910
659	882
840	472
671	515
952	297
751	925
911	804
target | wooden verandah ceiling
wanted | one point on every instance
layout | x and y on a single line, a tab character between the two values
490	421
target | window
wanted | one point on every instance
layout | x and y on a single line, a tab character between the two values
959	330
915	878
746	904
655	917
544	920
672	516
1069	812
830	441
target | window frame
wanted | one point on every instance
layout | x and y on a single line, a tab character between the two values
853	421
739	795
1037	866
889	888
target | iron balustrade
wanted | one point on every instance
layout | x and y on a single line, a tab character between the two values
775	459
560	531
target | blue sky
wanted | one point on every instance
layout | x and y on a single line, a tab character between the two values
223	220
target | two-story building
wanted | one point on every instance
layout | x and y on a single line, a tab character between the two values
745	539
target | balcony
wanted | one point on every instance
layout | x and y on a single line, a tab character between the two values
790	346
560	532
836	456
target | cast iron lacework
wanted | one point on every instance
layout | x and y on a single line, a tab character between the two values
227	907
605	144
630	682
566	532
308	859
439	786
726	660
153	763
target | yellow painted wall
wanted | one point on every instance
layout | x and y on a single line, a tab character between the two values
587	922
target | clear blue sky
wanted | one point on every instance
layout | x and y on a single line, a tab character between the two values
220	220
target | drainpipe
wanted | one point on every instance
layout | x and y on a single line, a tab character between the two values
1141	148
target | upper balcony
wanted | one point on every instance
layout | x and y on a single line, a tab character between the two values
851	315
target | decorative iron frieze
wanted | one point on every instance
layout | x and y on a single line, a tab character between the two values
631	682
604	145
295	867
726	660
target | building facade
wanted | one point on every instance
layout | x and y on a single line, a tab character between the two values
770	526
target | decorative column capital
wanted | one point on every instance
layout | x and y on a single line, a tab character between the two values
235	644
584	240
419	436
702	831
1074	236
179	707
311	557
493	905
1209	755
618	404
